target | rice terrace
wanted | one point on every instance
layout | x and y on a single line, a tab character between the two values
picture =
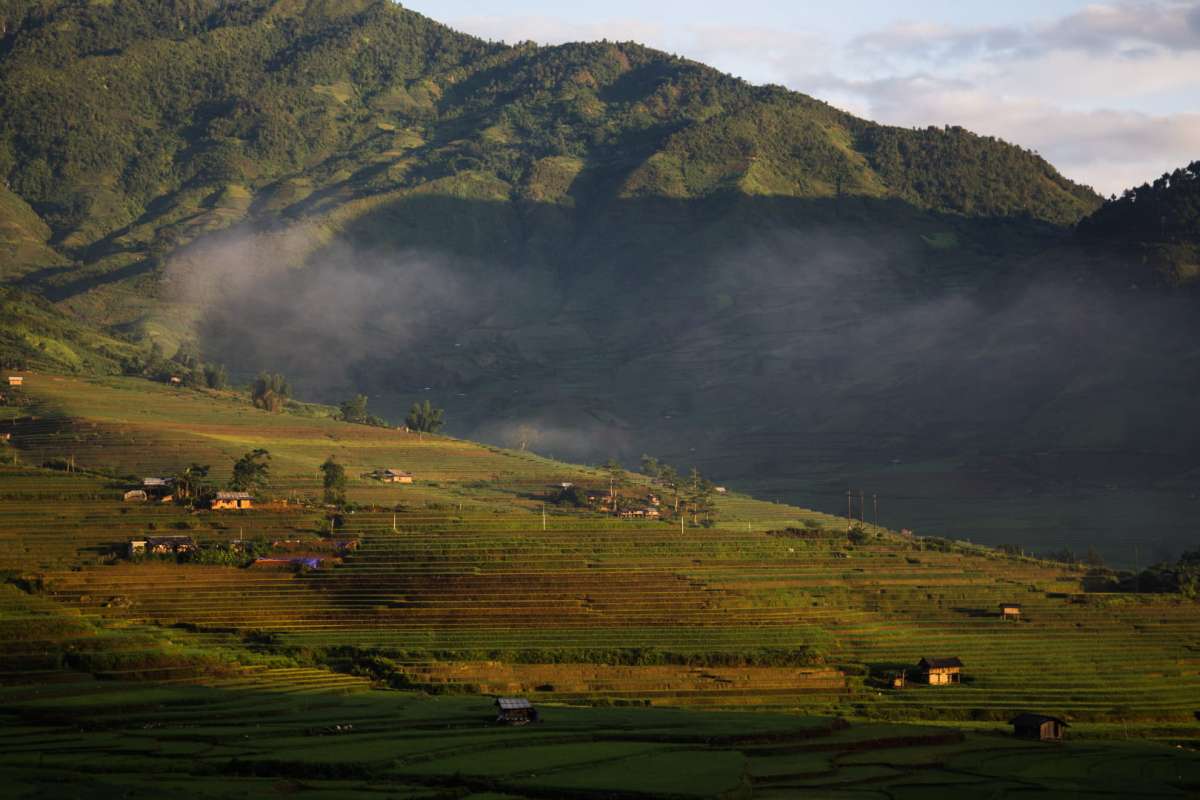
389	411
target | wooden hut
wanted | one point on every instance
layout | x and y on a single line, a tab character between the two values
15	380
940	671
1010	611
1038	726
393	476
232	501
515	711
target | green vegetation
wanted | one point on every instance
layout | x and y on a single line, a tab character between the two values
251	471
424	418
270	391
333	481
1161	219
232	677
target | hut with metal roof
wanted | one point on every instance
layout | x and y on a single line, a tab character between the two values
1038	726
515	711
1010	611
232	501
940	671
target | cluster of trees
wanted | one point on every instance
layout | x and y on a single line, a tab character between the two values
1182	577
270	391
425	418
186	365
251	472
691	495
1162	219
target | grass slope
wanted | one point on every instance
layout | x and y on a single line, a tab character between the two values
464	573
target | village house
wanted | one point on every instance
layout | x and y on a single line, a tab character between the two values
392	476
898	679
940	671
136	496
15	380
1038	726
1010	610
162	489
515	711
232	501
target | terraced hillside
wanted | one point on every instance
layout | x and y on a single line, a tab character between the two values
106	739
458	582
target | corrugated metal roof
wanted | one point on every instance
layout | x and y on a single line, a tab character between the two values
513	703
234	496
937	663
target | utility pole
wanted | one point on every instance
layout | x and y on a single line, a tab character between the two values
875	500
849	509
393	523
543	516
862	513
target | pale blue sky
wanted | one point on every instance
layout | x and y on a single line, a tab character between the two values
1109	91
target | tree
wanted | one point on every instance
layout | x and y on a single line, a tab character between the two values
355	409
189	482
270	391
333	478
525	436
424	418
697	496
650	466
251	471
616	480
215	376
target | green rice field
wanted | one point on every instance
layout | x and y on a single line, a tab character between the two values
742	659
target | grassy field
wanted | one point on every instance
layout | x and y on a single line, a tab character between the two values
460	587
115	739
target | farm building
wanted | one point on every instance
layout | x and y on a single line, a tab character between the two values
232	501
940	671
897	679
1038	726
136	496
158	488
392	476
15	380
162	545
515	711
1010	610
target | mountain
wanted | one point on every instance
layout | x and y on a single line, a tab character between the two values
1159	222
599	248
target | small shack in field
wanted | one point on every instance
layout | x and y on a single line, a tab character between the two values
232	501
898	679
940	671
162	489
1010	611
136	496
392	476
515	711
1038	726
16	380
